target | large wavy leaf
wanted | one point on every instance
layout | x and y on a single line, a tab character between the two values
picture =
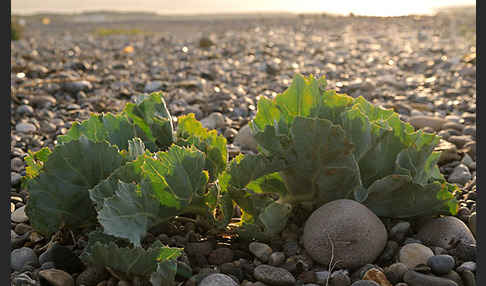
58	196
115	129
398	196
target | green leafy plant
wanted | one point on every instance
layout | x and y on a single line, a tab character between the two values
128	173
317	146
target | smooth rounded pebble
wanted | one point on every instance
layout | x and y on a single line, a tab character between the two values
25	127
395	272
57	277
213	121
19	215
345	231
460	175
422	121
217	279
21	257
444	231
413	254
448	152
274	276
414	278
276	258
441	264
245	139
261	250
15	178
153	86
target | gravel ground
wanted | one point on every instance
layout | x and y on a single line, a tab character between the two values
419	66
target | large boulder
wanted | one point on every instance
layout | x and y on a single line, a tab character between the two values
445	232
345	231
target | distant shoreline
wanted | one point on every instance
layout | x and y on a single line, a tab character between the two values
242	14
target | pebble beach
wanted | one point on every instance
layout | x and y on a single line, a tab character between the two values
423	67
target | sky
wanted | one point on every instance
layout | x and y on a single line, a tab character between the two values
358	7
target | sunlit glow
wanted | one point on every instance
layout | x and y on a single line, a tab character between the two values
343	7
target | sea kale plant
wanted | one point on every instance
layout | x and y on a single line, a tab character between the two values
127	173
316	146
118	176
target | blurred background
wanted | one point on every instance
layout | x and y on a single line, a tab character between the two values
358	7
72	58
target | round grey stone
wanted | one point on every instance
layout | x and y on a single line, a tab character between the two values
25	109
245	139
444	231
395	272
460	175
422	121
413	254
441	264
261	250
77	86
217	279
399	231
414	278
153	86
15	178
25	127
21	257
276	258
346	232
215	120
274	276
19	215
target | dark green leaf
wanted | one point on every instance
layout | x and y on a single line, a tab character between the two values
59	195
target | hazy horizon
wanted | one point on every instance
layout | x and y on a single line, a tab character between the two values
344	7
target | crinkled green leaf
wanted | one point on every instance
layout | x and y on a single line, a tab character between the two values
324	168
151	115
398	196
176	175
191	132
115	129
164	185
130	212
128	173
245	168
131	261
59	195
